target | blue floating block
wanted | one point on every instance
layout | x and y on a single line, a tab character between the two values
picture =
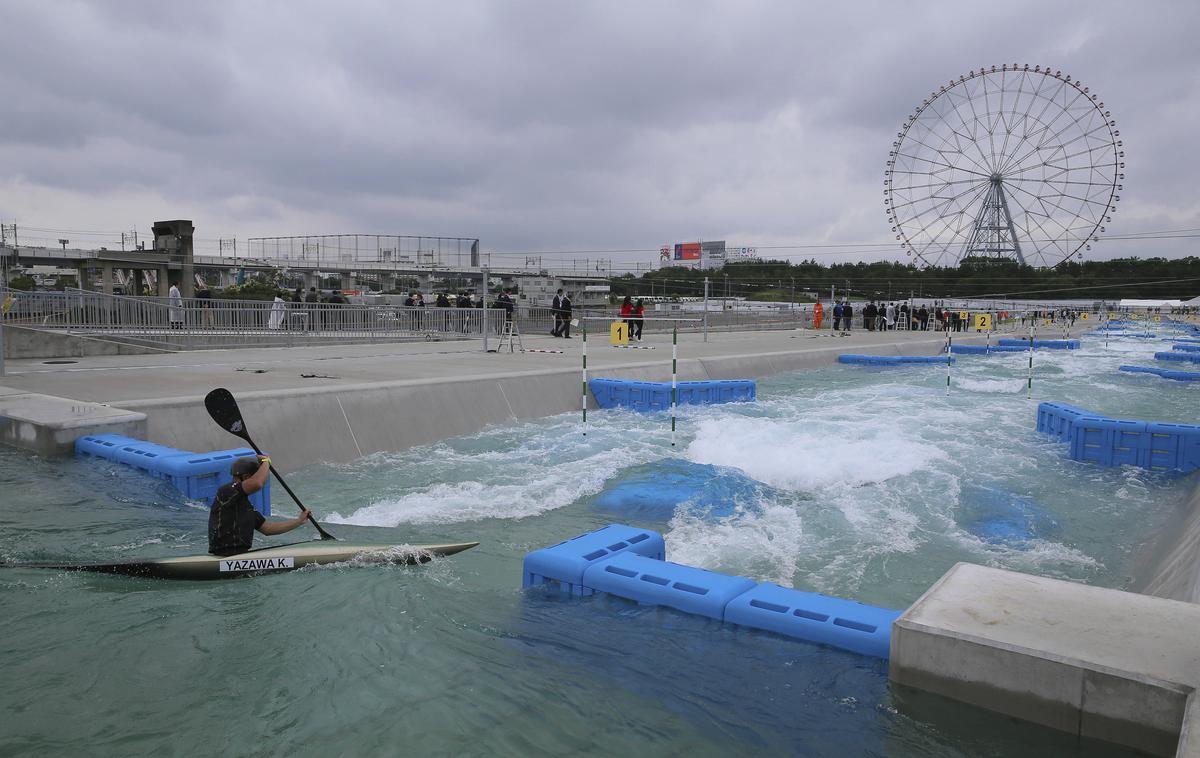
200	475
985	350
1186	348
654	491
1178	356
656	396
892	360
655	582
196	475
566	562
1165	373
1049	344
808	616
1189	340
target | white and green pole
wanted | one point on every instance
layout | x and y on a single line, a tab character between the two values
949	344
1029	377
583	394
674	372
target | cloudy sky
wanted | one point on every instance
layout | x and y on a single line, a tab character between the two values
557	127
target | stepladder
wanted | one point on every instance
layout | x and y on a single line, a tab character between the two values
510	335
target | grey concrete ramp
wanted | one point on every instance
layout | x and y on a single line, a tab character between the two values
1099	663
49	425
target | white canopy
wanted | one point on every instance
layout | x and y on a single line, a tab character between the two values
1131	303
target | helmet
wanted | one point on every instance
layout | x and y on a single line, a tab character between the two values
244	467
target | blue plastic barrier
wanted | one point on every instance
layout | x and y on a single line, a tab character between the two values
984	349
891	360
566	562
656	396
655	582
197	475
832	621
1178	356
1114	442
1187	348
1190	340
634	567
1165	373
1051	344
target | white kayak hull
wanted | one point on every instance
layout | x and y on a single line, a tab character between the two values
268	560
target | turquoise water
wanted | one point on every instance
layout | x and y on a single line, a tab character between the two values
863	483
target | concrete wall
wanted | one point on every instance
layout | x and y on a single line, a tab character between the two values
38	344
1172	567
340	424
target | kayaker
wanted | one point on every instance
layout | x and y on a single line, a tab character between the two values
233	519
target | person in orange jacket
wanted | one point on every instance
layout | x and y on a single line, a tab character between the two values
818	314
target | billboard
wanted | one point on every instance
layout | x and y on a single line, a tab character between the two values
687	251
713	251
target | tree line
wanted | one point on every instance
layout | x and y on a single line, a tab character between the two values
1001	278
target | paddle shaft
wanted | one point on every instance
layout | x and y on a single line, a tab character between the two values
324	534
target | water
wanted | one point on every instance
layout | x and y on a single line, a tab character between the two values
863	483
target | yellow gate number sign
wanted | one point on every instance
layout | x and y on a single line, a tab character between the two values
618	333
964	316
1083	316
983	322
1048	322
1158	318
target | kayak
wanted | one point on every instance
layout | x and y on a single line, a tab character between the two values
267	560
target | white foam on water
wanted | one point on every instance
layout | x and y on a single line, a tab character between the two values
789	454
763	544
990	386
525	490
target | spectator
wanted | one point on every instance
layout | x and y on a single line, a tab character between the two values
505	301
837	317
890	315
869	314
204	295
276	320
175	307
923	318
564	307
847	316
635	326
556	313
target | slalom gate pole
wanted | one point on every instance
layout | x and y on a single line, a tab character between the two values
1106	330
674	370
1029	379
949	344
583	395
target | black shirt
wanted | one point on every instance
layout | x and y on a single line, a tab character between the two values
232	521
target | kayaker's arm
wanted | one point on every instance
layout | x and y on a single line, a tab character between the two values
259	479
279	527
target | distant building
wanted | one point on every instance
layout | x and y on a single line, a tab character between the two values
585	291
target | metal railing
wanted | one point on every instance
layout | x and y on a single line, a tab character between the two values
195	323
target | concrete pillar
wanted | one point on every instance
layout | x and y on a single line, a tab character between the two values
311	280
349	281
106	278
81	274
164	282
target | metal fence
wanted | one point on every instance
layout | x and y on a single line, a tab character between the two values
209	323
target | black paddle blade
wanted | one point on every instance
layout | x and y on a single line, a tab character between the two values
224	410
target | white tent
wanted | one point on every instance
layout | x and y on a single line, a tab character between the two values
1193	303
1131	303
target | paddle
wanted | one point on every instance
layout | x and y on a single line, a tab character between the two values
224	410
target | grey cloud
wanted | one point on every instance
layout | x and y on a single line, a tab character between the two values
548	125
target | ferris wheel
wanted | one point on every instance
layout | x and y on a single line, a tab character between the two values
1012	161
